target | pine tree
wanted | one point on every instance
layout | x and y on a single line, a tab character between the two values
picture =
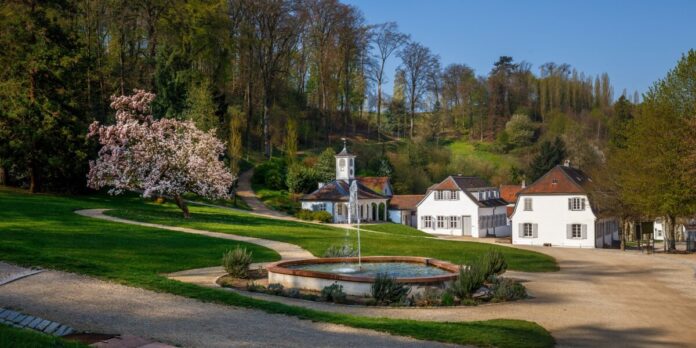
550	155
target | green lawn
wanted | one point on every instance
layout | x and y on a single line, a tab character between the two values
397	229
468	149
279	200
392	239
42	230
23	338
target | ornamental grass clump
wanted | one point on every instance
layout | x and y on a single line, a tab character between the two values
386	290
345	250
236	262
494	263
333	293
470	279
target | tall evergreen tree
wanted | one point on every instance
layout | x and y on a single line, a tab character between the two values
550	155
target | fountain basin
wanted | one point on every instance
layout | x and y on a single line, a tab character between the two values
315	274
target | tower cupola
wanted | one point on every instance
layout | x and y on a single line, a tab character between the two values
345	164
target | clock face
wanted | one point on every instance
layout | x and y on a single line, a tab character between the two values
342	163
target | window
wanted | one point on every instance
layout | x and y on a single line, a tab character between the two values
454	195
339	209
440	222
342	163
427	222
438	195
528	204
576	231
576	203
454	222
527	230
319	207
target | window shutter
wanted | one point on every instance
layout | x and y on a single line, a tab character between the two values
583	205
584	231
569	231
535	230
520	231
570	204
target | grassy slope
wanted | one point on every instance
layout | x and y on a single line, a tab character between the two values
467	149
397	229
23	338
317	239
42	230
276	199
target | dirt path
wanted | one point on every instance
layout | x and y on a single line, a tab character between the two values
599	298
245	191
99	306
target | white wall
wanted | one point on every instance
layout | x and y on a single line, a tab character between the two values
551	214
464	206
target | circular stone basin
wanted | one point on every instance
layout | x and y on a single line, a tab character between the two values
315	274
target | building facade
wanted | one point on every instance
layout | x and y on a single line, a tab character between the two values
463	206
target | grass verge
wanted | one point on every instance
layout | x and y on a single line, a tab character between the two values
24	338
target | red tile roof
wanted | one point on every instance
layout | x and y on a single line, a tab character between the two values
405	202
509	192
379	184
456	182
559	180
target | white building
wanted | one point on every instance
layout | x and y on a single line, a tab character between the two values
373	193
555	210
463	206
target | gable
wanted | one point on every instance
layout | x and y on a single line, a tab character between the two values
559	180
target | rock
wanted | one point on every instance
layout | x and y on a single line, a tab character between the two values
482	293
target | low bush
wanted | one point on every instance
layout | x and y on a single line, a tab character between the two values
430	296
494	263
344	250
275	289
505	289
470	279
301	179
253	287
237	261
333	293
447	299
271	174
309	215
385	289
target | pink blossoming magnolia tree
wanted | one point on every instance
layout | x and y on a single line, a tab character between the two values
163	157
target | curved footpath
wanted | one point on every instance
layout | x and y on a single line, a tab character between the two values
598	298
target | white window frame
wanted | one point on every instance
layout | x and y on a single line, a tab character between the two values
319	207
576	204
441	222
454	222
427	222
576	231
528	204
527	230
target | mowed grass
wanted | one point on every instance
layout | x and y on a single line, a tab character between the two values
390	239
43	230
467	149
24	338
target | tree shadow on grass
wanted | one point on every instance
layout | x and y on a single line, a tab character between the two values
594	336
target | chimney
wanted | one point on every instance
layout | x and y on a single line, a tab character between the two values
524	183
566	163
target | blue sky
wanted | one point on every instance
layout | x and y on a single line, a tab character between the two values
636	42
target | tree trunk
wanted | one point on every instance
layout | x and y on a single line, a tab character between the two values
3	176
181	203
34	179
379	110
266	129
670	242
624	230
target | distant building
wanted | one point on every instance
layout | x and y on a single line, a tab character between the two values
463	206
403	209
373	193
509	194
555	210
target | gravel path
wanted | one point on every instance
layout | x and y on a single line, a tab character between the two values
99	306
599	298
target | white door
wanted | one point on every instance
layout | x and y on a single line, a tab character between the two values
466	225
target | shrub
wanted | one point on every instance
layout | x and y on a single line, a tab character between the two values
385	289
495	263
470	279
430	296
275	289
505	289
301	179
271	174
308	215
236	262
344	250
333	293
447	299
253	287
322	216
293	292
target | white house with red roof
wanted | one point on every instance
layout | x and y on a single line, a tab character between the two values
463	206
555	210
373	193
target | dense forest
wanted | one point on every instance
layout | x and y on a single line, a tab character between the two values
287	79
